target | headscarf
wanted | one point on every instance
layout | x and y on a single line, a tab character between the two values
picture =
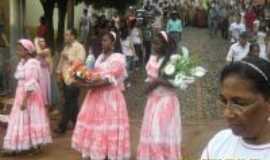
28	45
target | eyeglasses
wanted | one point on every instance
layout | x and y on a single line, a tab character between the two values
235	106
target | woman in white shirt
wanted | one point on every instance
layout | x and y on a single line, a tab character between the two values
245	95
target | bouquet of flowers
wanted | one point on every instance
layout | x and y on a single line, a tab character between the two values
79	71
182	70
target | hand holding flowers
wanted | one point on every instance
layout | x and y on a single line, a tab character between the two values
182	70
78	71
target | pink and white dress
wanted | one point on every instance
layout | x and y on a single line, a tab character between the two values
45	81
160	137
30	127
102	127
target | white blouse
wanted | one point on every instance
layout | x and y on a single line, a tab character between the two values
226	146
28	74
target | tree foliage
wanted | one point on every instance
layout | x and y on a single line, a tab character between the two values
48	8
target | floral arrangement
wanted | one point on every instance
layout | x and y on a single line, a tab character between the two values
182	70
79	71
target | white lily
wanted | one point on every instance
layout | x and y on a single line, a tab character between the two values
185	53
178	79
174	58
169	69
198	72
177	83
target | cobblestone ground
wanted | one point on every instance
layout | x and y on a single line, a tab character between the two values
201	116
212	52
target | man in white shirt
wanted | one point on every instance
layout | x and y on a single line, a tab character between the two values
239	50
236	29
73	51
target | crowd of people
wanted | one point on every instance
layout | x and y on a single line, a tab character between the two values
249	36
115	49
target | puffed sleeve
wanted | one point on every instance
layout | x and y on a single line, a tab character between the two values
32	71
116	72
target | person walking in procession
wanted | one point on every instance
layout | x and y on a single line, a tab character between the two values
175	28
102	128
160	137
72	51
239	50
44	56
28	124
213	18
236	28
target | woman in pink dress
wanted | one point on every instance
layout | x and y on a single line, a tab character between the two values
160	137
44	56
28	126
102	128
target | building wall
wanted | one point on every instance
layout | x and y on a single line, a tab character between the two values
4	17
4	11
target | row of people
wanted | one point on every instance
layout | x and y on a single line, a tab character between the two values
244	48
102	126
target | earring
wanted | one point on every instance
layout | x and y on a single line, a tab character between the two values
268	119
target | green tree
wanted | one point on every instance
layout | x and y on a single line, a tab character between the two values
48	8
62	8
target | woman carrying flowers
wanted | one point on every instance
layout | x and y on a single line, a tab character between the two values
102	128
160	137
